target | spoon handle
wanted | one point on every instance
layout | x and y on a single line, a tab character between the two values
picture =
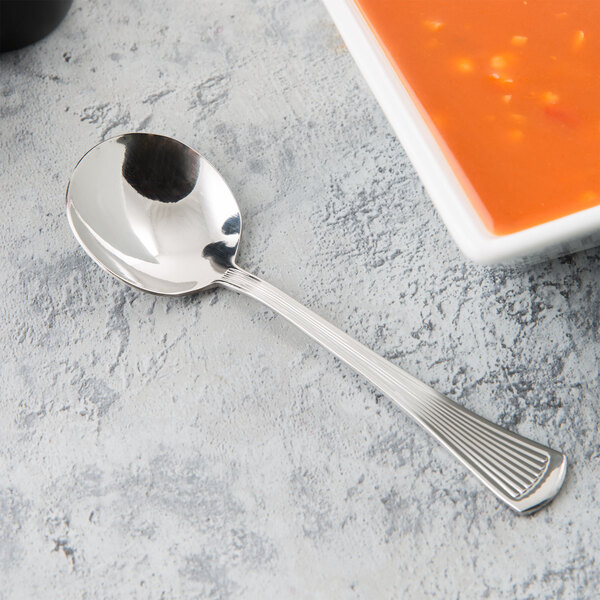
522	473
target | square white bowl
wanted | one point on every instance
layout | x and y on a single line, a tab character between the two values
572	233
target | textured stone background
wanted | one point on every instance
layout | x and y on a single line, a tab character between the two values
201	447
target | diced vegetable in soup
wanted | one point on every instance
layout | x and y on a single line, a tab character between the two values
511	90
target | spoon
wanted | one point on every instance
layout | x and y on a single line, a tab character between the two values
159	217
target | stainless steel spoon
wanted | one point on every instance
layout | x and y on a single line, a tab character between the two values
158	216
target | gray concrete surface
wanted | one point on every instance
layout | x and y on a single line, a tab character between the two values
201	447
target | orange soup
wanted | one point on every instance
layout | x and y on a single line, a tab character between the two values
511	90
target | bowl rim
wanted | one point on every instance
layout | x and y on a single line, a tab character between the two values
447	194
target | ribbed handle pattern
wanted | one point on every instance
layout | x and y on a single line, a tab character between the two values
522	473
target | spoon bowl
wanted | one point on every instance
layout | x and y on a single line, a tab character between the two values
158	216
154	213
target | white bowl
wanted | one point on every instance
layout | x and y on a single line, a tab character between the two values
565	235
